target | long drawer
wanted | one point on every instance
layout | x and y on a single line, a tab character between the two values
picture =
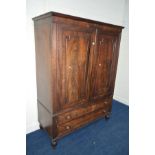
78	112
79	122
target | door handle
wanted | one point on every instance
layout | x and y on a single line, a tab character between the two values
93	43
69	67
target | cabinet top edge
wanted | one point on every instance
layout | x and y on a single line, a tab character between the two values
49	14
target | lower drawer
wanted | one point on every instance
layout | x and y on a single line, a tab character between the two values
79	122
78	112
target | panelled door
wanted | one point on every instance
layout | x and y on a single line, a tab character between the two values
73	50
102	65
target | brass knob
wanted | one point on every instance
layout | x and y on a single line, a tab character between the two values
69	67
93	43
104	111
68	117
99	65
67	127
106	102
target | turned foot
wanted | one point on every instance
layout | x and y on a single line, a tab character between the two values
54	144
107	116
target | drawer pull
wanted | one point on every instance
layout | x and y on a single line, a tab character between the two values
93	43
69	67
104	111
106	102
68	117
68	127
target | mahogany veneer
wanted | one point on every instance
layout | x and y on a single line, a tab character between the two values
76	63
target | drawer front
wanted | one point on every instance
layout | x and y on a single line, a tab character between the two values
79	122
68	116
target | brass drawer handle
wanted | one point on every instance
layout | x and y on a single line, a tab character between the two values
68	117
69	67
93	43
104	111
106	102
68	127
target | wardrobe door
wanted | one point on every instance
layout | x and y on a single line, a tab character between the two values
102	68
72	64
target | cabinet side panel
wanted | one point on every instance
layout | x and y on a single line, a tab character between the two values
44	118
43	62
116	51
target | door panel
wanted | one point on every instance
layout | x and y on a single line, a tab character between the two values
102	66
76	66
73	64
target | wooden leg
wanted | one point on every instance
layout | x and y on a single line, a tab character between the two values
54	144
107	116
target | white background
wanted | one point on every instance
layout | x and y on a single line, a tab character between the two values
111	11
14	77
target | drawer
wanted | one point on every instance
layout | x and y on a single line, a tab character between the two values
78	112
79	122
